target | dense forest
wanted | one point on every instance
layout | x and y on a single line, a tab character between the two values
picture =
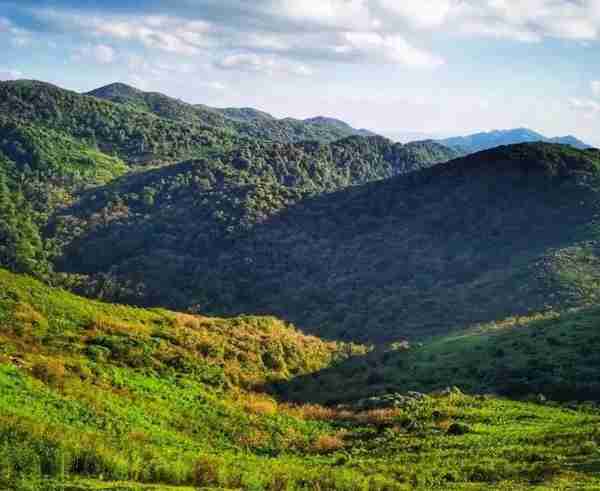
508	231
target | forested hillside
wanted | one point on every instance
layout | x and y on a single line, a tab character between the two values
504	232
56	144
246	122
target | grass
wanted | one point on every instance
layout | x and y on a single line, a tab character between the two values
100	396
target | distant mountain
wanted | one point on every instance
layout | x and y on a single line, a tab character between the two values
484	141
246	122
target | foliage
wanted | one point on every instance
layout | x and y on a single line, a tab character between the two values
246	122
128	417
552	354
506	232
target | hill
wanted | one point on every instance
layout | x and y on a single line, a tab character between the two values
504	232
550	353
484	141
200	207
137	137
100	396
56	144
246	122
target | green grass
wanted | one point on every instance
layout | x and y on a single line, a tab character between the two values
555	354
100	396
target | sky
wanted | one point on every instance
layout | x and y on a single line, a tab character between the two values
404	68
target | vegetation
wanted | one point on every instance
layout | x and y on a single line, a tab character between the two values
246	122
94	393
137	137
506	232
548	355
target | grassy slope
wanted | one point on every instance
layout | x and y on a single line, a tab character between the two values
549	353
95	391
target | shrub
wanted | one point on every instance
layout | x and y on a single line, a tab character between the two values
327	444
49	371
458	429
206	471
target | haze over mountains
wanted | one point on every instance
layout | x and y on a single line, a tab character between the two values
486	140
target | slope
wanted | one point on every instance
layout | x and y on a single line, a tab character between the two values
550	353
195	208
99	396
137	137
504	232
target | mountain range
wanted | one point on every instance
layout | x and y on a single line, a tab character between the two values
347	313
484	141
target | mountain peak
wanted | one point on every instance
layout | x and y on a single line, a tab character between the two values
116	89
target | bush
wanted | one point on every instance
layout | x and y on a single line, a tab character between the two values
327	444
458	429
206	471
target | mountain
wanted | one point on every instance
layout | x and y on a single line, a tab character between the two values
484	141
103	396
55	144
247	122
504	232
339	125
137	137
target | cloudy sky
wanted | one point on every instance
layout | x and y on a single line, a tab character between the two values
396	66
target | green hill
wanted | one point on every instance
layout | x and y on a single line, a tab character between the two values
137	137
552	354
504	232
246	122
100	396
193	209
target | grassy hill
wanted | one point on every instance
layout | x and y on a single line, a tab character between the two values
504	232
553	354
100	396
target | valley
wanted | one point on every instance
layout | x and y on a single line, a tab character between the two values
203	298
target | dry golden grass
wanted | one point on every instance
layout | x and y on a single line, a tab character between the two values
328	443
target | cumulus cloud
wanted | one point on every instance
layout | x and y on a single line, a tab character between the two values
390	48
288	36
588	107
257	63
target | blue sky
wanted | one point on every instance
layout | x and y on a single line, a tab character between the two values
437	67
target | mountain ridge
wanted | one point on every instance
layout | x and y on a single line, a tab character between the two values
486	140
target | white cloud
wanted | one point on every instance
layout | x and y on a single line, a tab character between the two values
596	87
104	54
588	107
418	13
100	53
392	48
10	74
287	36
258	63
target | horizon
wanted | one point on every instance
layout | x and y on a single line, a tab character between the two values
436	69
